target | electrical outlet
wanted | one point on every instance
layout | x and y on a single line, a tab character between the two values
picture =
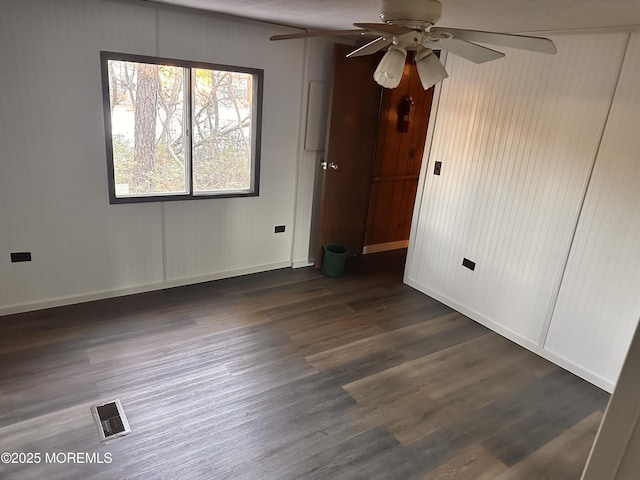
279	229
20	257
469	264
437	168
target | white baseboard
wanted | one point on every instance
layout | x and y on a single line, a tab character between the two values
150	287
302	264
384	247
568	365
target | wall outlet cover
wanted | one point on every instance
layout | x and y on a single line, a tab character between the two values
469	264
20	257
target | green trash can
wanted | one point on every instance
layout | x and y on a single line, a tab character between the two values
333	259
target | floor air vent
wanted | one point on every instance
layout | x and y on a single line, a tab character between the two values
111	420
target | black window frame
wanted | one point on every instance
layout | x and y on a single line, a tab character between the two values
258	75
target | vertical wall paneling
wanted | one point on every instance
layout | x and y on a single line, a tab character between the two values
517	139
53	173
598	305
206	237
53	176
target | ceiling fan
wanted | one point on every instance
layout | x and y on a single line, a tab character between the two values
410	25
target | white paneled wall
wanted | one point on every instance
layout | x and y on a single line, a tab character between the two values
599	301
53	172
517	139
53	189
225	235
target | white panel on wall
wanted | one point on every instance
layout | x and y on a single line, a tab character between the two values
53	177
517	138
53	174
599	302
205	237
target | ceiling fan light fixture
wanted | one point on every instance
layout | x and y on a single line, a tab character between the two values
430	69
389	71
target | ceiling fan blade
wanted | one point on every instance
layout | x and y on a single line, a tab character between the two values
371	47
319	33
384	28
524	42
464	49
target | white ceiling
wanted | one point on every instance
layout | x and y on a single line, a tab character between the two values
495	15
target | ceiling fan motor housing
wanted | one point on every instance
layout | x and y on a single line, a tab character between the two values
411	13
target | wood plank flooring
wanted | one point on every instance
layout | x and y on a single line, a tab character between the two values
288	375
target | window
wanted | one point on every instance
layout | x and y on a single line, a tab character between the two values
180	130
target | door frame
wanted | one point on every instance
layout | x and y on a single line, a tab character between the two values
422	178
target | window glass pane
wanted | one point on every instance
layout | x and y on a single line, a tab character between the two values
147	128
223	113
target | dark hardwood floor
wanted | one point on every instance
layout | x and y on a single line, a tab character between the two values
288	375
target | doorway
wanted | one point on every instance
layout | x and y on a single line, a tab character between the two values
402	132
374	147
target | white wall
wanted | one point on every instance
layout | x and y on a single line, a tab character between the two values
308	167
599	302
518	139
53	172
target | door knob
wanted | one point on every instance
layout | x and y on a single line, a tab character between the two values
329	165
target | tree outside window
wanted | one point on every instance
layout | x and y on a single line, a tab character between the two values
180	130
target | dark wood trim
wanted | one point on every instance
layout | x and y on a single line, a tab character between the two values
394	178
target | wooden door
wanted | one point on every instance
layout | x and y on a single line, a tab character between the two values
351	136
396	168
